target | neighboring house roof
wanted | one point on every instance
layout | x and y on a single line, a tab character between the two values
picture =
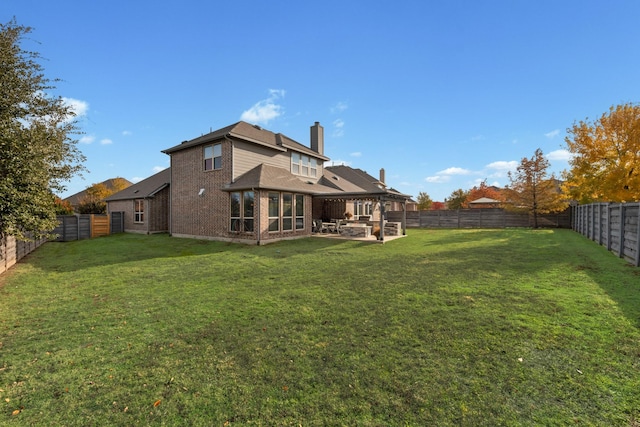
77	198
251	133
484	200
144	189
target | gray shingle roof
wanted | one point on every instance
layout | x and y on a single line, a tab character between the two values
144	189
274	178
251	133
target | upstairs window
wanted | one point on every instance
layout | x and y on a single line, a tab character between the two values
304	165
213	157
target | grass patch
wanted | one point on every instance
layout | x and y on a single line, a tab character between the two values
444	327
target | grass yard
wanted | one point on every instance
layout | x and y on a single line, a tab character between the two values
441	328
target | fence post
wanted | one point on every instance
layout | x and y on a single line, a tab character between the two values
637	260
622	221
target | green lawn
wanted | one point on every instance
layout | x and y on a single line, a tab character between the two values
443	327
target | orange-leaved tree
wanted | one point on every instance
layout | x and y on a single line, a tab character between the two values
480	191
532	189
606	157
93	202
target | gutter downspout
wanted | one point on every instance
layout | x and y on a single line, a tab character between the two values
257	212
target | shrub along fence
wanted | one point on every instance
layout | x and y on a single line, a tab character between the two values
480	218
613	225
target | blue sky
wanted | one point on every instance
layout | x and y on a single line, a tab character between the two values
443	95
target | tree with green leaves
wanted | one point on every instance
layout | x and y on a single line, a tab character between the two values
532	189
37	152
424	201
457	199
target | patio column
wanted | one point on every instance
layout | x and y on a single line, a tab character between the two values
404	217
381	201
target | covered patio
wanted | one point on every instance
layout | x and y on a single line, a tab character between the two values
330	220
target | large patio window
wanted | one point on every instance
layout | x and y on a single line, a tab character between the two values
299	212
242	208
287	211
274	211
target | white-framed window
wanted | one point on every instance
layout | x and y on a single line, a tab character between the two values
295	163
213	157
138	210
304	165
242	208
362	207
313	167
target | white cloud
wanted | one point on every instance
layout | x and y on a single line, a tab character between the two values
136	179
79	107
501	168
339	107
262	112
552	134
438	179
562	155
157	169
87	139
338	130
126	132
454	171
106	141
356	154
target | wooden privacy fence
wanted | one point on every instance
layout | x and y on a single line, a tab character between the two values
613	225
480	218
87	226
12	250
70	227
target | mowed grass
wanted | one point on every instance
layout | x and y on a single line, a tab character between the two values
441	328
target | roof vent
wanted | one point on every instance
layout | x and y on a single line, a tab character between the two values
257	127
135	192
336	178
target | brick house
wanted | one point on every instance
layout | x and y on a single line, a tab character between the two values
145	204
248	184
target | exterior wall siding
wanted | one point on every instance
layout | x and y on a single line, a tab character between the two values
247	156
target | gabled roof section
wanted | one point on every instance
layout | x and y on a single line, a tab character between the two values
268	177
250	133
144	189
357	177
356	183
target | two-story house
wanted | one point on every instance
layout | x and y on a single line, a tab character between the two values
245	183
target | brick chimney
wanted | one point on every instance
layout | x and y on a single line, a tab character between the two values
382	176
317	138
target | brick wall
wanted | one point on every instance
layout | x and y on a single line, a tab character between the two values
193	215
